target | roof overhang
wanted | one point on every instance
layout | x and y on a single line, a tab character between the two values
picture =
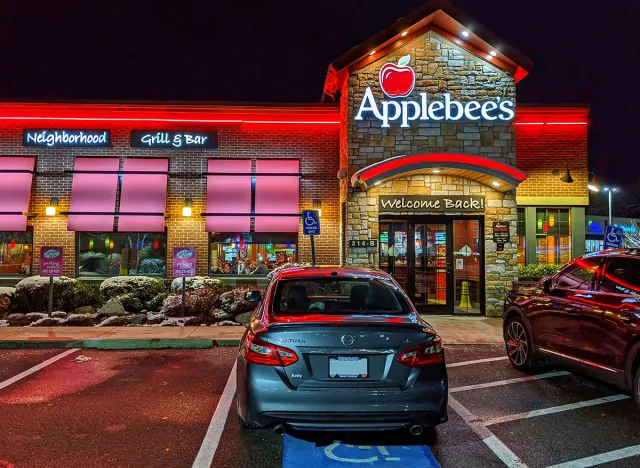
497	175
442	17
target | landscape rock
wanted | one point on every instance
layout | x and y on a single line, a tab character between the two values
17	320
219	314
79	320
47	322
112	308
4	323
114	321
138	319
191	321
155	319
227	323
243	319
35	316
59	314
84	310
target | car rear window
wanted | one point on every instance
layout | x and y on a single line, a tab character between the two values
338	296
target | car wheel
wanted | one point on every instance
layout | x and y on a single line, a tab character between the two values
636	387
518	344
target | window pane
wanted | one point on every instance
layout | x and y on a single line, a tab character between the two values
522	260
16	252
122	254
622	277
521	226
338	296
580	274
252	253
553	232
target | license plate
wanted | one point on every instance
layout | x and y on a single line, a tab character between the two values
348	367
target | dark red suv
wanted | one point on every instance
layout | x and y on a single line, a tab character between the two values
587	315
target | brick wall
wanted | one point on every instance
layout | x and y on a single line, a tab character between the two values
316	148
541	149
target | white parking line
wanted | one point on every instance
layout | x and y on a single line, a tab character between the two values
42	365
207	451
477	361
509	381
555	409
503	452
620	454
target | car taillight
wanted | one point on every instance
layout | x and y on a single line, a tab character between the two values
424	354
268	354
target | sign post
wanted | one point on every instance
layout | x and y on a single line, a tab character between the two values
184	266
51	266
613	238
311	227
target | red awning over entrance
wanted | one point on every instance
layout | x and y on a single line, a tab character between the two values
16	175
497	175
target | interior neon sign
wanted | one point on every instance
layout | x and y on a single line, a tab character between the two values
398	81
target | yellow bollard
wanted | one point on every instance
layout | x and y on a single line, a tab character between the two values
465	303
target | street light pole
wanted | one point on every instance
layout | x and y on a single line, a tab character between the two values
609	191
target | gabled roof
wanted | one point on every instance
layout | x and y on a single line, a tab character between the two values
437	15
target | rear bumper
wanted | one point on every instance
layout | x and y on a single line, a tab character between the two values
265	400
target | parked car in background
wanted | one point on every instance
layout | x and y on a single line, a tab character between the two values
587	316
339	349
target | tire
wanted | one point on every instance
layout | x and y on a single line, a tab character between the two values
518	346
636	387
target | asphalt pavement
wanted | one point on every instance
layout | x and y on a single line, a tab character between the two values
175	408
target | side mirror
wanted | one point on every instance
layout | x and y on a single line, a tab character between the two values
546	284
253	296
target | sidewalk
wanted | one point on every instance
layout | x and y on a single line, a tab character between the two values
454	330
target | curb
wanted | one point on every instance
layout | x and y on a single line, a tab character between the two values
122	344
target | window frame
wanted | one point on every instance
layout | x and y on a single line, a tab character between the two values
556	211
294	236
29	229
595	282
88	277
603	268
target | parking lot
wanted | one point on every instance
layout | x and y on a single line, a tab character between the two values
175	408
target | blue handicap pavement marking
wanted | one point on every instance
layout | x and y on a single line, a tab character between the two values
303	454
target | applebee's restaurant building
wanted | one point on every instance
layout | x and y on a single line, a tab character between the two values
420	159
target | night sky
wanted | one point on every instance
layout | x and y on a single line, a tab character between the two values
279	51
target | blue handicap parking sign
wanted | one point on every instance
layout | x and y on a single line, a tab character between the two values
300	453
310	222
613	238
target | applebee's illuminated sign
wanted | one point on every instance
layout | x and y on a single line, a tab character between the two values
398	81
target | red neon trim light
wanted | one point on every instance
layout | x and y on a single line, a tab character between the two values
383	167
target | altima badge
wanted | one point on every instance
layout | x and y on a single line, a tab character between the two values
347	340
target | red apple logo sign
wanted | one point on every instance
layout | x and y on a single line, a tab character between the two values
397	80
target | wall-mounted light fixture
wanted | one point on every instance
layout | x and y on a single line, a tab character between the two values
566	178
53	205
187	208
317	205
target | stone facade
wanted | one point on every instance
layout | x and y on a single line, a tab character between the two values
440	66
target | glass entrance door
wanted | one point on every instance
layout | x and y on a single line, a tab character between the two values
438	261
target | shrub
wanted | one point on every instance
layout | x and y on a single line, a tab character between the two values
5	306
171	306
32	294
535	272
155	304
131	303
201	302
234	301
141	287
198	282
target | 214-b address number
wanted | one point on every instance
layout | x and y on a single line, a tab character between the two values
363	243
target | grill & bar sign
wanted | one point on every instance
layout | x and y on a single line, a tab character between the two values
174	140
429	203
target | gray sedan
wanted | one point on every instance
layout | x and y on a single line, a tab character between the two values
339	349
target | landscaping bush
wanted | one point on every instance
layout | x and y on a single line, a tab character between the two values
535	272
5	306
201	302
234	301
198	282
32	294
155	304
143	288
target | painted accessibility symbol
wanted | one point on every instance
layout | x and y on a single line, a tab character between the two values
300	453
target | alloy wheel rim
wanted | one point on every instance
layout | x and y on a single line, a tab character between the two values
517	347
